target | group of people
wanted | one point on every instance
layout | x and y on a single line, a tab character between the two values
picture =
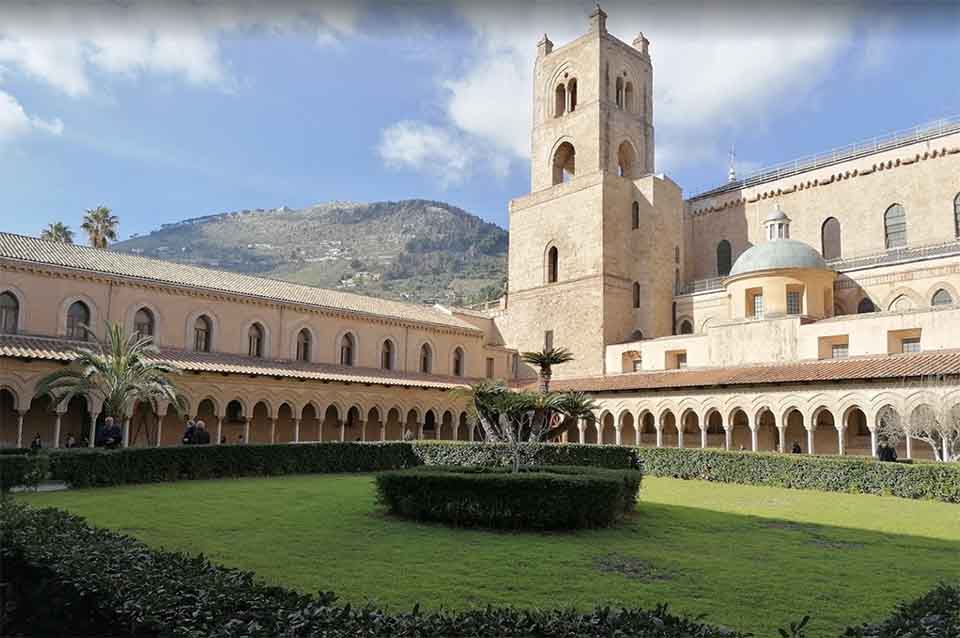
196	433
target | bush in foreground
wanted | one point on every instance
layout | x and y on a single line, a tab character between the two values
538	497
939	481
934	615
66	577
22	470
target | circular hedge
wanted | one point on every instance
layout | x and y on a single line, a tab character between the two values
539	497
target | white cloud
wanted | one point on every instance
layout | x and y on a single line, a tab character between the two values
14	120
421	147
715	72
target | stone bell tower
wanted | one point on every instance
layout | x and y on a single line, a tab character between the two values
593	247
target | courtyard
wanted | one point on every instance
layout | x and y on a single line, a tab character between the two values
747	557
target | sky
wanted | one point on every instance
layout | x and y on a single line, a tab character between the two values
170	110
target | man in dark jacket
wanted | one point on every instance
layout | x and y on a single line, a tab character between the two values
112	436
200	435
189	433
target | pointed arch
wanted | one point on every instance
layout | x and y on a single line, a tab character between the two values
564	163
895	227
831	246
724	258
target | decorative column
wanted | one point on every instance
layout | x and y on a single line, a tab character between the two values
873	442
246	430
93	429
56	428
659	435
161	413
619	431
703	438
754	443
841	440
126	431
420	430
383	431
582	428
273	429
219	428
727	438
456	431
810	437
296	430
20	427
909	442
783	438
343	430
363	431
680	435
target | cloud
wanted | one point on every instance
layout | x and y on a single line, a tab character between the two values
431	149
14	120
715	72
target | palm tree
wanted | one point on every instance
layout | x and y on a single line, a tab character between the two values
545	360
100	225
59	232
118	373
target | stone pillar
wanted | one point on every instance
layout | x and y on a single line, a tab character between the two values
727	438
383	431
841	440
456	430
56	428
363	431
782	433
810	437
296	430
703	438
246	430
754	442
219	428
273	429
470	432
873	443
680	428
582	428
659	435
93	429
619	431
419	430
909	443
343	430
20	416
126	431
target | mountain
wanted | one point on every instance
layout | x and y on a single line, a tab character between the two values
413	250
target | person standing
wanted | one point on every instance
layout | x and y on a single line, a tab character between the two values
112	436
200	435
36	443
189	432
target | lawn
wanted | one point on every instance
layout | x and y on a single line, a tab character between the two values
746	557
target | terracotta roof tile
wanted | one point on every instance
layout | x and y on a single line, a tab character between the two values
853	368
31	249
25	347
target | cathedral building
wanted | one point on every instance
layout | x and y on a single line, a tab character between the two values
800	305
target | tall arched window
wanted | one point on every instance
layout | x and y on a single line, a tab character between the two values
956	215
78	320
724	258
636	295
572	94
255	340
626	159
895	226
941	298
865	306
143	323
628	97
560	101
304	345
458	362
619	94
635	221
686	328
9	313
830	244
386	355
347	347
202	333
564	163
426	358
553	265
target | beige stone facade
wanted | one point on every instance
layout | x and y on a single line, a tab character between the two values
724	319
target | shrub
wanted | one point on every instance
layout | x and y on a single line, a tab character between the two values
499	454
66	577
940	481
22	470
934	615
539	497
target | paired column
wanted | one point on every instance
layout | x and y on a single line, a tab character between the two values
782	430
873	442
582	428
810	437
659	435
619	431
219	428
343	431
126	431
703	437
754	439
296	430
246	429
20	416
680	435
273	429
909	443
728	438
841	440
383	431
56	428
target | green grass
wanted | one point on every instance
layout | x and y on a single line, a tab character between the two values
747	557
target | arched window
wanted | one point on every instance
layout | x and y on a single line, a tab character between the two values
724	258
895	226
628	97
553	265
626	159
941	298
572	94
636	295
458	362
865	306
635	222
78	320
304	345
564	163
686	328
143	323
560	101
255	340
202	333
426	358
956	215
347	347
386	355
830	245
619	93
9	313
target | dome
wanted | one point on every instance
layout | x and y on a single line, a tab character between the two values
777	215
782	253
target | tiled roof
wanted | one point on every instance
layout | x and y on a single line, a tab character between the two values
25	347
31	249
821	371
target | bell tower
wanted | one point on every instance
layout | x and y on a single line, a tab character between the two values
595	245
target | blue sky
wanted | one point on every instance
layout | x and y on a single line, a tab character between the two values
168	111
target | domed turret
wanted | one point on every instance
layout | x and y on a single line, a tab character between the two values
779	251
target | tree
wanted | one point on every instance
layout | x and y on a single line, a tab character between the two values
120	372
515	418
936	421
100	225
59	232
545	360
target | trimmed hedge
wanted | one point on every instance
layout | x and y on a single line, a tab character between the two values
939	481
933	615
538	497
65	577
22	470
499	454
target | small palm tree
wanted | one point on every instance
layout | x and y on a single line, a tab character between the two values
545	360
59	232
100	225
119	372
